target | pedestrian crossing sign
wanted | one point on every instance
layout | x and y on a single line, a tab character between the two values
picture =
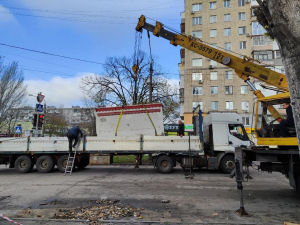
39	108
18	130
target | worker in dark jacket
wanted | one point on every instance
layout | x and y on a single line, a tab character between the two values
73	134
289	122
180	128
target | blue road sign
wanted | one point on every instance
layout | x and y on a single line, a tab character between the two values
39	108
18	130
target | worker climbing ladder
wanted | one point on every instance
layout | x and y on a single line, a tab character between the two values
71	160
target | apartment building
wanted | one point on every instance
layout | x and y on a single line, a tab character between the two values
231	26
73	116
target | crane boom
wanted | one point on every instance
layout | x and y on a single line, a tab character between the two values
244	67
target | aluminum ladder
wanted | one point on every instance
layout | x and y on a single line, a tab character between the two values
71	161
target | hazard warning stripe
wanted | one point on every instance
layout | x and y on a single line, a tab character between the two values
128	112
6	218
128	107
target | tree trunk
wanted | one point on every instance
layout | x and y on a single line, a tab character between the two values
281	18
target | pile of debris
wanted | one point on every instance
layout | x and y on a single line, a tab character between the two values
93	214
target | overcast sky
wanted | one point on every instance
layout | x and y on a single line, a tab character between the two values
85	29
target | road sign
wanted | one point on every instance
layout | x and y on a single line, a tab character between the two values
18	130
40	98
39	108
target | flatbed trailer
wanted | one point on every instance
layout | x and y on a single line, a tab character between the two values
45	152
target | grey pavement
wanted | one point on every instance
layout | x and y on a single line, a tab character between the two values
210	198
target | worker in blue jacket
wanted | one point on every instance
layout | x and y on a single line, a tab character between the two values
288	122
73	134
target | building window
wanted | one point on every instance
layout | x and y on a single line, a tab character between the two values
214	105
261	40
242	44
242	30
197	62
197	20
253	10
242	16
277	54
227	18
195	104
214	45
213	33
257	29
229	105
197	76
197	90
246	121
226	3
212	5
244	89
228	75
228	90
181	92
227	31
197	33
227	46
213	19
263	55
241	3
213	75
197	7
213	63
214	90
245	106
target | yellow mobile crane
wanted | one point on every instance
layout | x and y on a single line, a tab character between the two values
245	68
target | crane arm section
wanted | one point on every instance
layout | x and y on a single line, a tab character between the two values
244	67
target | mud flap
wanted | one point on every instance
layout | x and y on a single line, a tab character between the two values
212	163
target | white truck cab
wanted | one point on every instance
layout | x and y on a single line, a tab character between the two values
222	132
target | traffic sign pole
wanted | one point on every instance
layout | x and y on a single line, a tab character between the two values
37	126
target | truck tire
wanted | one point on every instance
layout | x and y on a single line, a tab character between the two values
45	164
62	163
227	164
165	164
24	164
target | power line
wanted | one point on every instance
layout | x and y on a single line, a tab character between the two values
43	61
79	13
66	19
46	53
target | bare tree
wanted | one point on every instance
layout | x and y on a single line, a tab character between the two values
118	86
55	124
12	89
13	116
281	19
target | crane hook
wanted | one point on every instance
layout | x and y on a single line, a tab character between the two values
135	69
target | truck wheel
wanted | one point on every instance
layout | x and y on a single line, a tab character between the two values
45	164
24	164
165	164
62	163
227	164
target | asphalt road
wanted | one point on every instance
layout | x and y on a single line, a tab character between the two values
210	198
